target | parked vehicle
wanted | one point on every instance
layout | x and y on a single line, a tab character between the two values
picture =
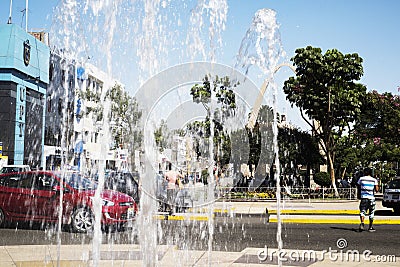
15	168
124	182
391	195
35	196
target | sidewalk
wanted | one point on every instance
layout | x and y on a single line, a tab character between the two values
169	256
302	211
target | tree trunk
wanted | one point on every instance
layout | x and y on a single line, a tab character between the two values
343	173
235	167
332	174
307	177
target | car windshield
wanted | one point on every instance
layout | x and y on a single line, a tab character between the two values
394	184
79	182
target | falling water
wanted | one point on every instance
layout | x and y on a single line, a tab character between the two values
217	10
119	36
68	37
262	47
135	40
69	7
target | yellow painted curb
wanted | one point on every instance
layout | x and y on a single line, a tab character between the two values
182	217
322	212
355	220
204	210
334	221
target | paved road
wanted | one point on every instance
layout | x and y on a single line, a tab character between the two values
241	231
230	234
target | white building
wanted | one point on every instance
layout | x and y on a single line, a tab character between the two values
93	137
79	130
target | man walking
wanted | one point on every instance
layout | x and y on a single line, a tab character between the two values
367	185
173	178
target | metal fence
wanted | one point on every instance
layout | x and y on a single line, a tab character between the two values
265	193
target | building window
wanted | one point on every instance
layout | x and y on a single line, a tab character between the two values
21	112
88	82
60	106
48	103
21	129
22	94
51	70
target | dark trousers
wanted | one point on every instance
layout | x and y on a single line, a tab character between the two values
367	205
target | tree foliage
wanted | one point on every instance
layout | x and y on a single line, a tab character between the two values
223	90
378	129
326	92
297	147
220	89
260	138
347	154
162	136
124	118
322	179
379	121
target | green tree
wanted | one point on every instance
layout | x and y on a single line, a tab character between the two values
379	121
162	136
124	120
378	129
347	154
124	117
222	89
240	151
327	95
95	110
261	140
297	147
322	178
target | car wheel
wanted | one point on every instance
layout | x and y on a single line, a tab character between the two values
2	218
82	220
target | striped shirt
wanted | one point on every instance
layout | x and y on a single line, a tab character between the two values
367	186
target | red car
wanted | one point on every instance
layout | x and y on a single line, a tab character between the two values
35	196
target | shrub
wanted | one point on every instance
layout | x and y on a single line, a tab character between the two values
322	179
204	176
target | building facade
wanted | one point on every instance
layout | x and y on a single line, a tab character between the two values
59	113
77	134
51	106
24	76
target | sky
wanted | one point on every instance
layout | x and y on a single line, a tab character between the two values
367	27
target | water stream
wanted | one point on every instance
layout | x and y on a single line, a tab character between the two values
262	47
137	42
